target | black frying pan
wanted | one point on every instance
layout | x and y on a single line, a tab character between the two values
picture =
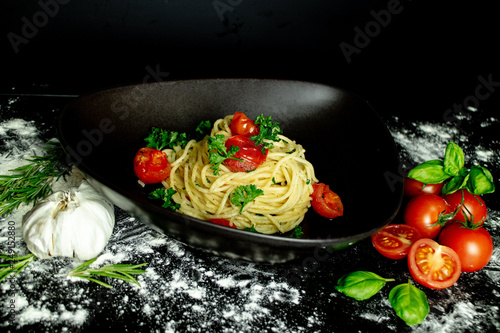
346	141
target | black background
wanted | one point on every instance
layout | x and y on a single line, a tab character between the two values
425	59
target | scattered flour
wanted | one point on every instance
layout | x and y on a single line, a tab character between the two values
183	291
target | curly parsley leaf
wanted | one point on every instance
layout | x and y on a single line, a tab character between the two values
166	196
245	194
219	153
203	129
269	130
161	139
297	232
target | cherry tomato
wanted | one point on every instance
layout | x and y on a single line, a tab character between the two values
432	265
394	240
413	188
423	211
326	202
473	246
223	222
473	204
250	154
151	165
242	125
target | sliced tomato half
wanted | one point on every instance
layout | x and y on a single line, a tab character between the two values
432	265
326	202
395	240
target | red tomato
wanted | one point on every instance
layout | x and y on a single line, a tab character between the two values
242	125
151	165
432	265
473	204
250	154
473	246
326	202
413	188
394	240
423	211
223	222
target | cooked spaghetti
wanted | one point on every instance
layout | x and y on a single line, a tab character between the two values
286	179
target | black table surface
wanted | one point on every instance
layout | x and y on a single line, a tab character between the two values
185	290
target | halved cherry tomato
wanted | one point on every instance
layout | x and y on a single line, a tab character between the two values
432	265
242	125
394	240
151	165
223	222
474	207
326	202
251	155
413	188
424	211
473	246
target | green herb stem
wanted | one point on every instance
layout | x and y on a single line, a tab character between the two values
33	181
14	264
120	271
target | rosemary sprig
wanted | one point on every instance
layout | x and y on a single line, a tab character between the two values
14	264
120	271
33	181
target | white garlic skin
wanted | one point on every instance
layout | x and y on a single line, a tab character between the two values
76	223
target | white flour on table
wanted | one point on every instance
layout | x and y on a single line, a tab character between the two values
213	294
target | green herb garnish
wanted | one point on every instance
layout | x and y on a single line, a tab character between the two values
297	232
161	139
120	271
244	194
219	153
203	129
251	229
452	172
409	303
165	195
269	130
361	285
14	264
33	181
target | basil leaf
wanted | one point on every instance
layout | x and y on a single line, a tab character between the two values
430	172
361	285
480	181
454	159
456	183
409	302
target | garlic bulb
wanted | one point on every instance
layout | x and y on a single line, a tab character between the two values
74	223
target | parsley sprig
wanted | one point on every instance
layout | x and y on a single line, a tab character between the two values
203	128
166	195
244	194
161	139
33	181
219	153
269	130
